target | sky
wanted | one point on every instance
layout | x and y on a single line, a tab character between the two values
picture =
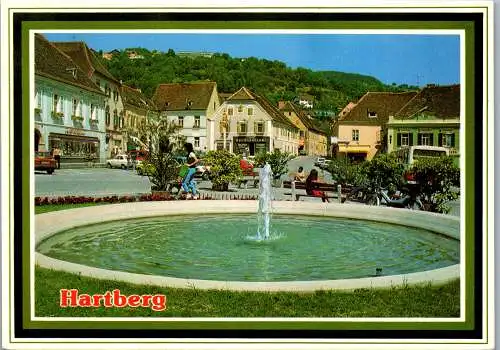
413	59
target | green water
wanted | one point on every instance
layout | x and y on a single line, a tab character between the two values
222	247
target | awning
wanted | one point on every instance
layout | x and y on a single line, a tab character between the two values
353	149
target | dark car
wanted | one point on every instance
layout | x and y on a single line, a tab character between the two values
44	161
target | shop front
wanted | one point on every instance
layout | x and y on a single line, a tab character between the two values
76	146
251	145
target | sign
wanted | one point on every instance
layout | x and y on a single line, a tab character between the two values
253	139
75	131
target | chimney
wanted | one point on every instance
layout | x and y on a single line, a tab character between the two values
281	104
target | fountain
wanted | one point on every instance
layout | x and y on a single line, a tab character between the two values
265	200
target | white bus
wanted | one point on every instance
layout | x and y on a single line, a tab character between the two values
409	154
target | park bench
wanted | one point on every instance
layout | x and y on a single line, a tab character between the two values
249	175
331	190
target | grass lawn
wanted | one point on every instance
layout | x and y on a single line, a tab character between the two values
406	301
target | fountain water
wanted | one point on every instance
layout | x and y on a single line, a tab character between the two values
264	212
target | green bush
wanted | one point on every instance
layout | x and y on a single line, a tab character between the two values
277	160
345	172
437	180
224	168
385	171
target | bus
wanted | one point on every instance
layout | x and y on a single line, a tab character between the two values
409	154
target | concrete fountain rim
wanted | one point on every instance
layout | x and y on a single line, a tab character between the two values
53	222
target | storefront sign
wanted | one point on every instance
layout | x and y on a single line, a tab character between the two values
74	131
248	139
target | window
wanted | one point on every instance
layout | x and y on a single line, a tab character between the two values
372	114
38	100
93	112
115	95
447	140
56	103
76	109
115	119
196	142
390	139
180	121
355	135
240	108
196	122
259	127
108	116
405	139
425	139
250	111
230	111
122	119
107	90
242	127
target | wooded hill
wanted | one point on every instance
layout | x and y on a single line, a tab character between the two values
331	90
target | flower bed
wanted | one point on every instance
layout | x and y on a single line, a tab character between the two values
146	197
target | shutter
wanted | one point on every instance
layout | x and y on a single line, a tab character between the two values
398	142
440	139
410	143
432	139
452	140
419	139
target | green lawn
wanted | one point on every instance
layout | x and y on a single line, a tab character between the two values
407	301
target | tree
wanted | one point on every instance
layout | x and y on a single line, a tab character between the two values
164	141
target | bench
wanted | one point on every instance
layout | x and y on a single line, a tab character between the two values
331	190
248	175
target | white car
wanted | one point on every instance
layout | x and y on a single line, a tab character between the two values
119	161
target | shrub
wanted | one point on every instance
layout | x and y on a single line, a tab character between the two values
224	168
437	179
345	172
385	171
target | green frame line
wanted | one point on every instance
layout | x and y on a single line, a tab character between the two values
468	153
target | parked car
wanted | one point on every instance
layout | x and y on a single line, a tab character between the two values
44	161
325	164
119	161
138	156
319	161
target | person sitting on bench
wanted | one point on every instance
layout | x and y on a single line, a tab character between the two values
300	175
312	186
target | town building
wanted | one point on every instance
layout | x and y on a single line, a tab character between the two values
68	108
361	130
114	114
430	118
138	109
247	123
189	105
312	140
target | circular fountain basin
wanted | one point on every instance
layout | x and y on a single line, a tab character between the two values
327	246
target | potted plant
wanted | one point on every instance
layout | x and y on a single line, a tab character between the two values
57	115
224	168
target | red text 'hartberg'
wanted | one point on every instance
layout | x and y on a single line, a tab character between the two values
71	298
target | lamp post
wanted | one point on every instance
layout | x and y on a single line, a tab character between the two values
224	125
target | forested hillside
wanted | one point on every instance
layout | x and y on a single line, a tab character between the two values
274	79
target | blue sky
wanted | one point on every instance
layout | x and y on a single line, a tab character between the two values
392	58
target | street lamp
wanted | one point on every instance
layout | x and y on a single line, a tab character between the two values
224	126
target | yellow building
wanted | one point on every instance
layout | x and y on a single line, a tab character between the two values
312	140
360	131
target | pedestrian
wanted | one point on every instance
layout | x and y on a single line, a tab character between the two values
56	153
312	186
188	184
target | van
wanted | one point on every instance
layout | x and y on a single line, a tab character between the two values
410	154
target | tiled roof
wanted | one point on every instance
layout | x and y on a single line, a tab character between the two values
308	122
135	98
438	101
245	94
175	97
84	57
383	104
53	63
